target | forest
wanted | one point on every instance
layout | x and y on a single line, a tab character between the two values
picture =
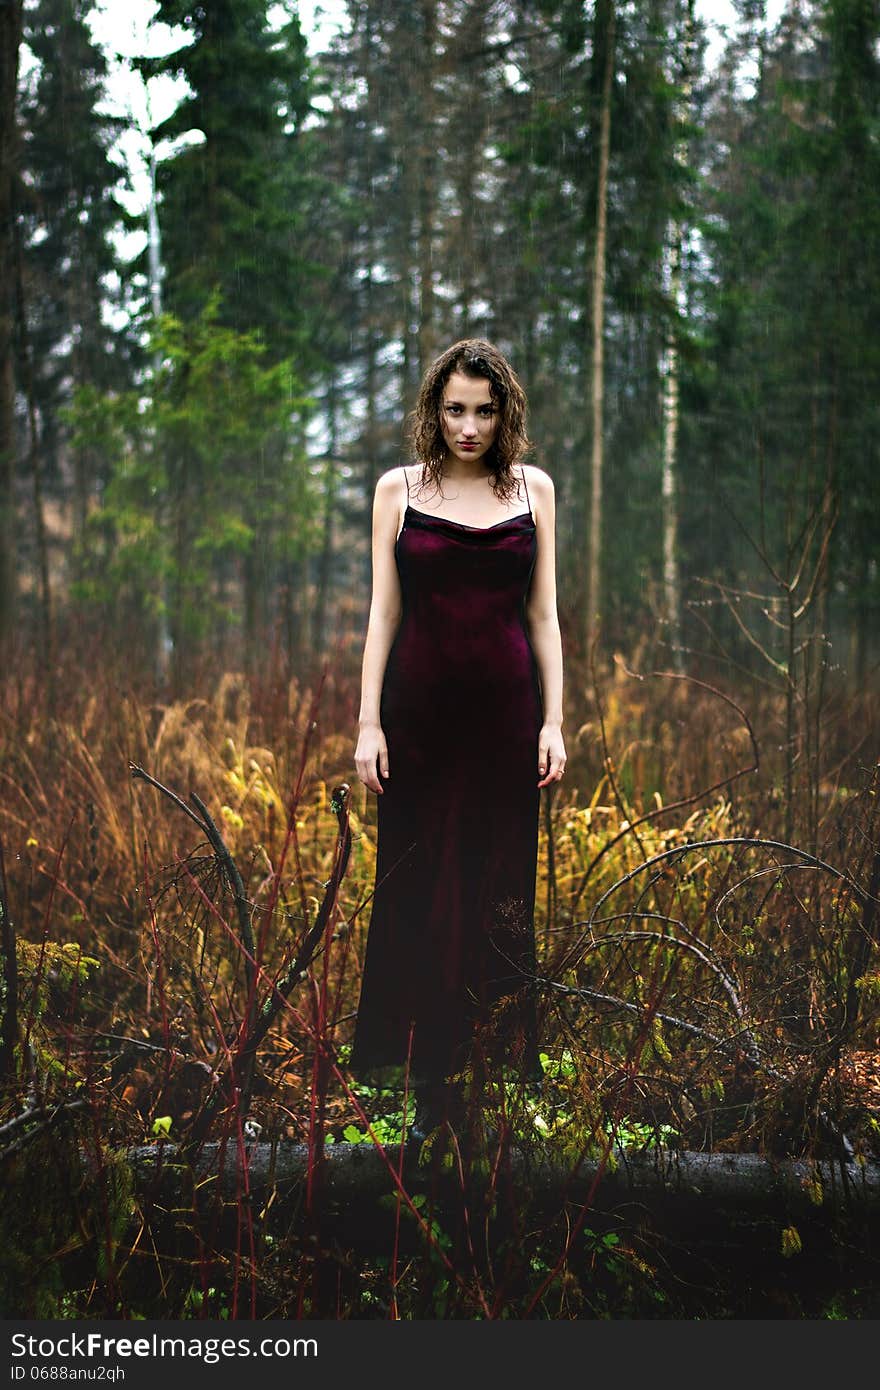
677	245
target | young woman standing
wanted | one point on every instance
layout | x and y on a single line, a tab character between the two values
460	727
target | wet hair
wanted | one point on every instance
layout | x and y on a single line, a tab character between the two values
476	358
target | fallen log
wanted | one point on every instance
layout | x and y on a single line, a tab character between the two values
356	1173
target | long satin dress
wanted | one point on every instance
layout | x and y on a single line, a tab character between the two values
450	953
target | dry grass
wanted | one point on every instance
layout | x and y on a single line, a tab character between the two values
698	983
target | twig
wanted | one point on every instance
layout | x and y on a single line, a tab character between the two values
46	1119
699	950
242	906
729	1046
678	851
138	772
241	1064
281	989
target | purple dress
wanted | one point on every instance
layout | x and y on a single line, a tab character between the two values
451	944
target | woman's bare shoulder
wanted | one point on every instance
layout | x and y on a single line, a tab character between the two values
391	486
392	479
539	483
538	476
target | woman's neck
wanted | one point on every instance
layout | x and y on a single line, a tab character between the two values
457	472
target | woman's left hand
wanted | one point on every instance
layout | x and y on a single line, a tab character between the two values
551	754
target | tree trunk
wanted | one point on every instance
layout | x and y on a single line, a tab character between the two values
427	188
605	24
669	488
10	42
676	296
154	245
45	661
325	560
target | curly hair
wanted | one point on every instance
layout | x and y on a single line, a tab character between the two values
473	357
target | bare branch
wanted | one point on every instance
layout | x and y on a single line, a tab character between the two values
138	772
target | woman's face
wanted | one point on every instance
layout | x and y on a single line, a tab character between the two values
469	417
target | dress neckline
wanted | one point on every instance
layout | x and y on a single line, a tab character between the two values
435	516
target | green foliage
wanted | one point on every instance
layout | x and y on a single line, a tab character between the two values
352	213
208	1303
233	202
792	224
50	968
69	210
548	1114
384	1109
50	975
203	470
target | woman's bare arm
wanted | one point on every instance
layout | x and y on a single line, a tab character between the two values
543	624
385	612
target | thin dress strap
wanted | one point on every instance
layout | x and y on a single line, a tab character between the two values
525	484
406	478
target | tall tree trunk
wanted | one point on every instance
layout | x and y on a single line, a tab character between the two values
164	642
301	575
83	468
325	560
669	486
604	28
816	653
427	187
183	466
296	614
45	635
466	171
371	298
252	611
10	43
467	135
371	384
863	629
676	296
407	135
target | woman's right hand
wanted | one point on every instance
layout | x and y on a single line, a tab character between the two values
371	748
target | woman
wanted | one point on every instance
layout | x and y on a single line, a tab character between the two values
460	727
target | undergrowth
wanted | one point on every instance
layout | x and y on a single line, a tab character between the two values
703	985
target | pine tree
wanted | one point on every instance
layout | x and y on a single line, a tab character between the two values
237	233
233	198
10	43
793	366
69	213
